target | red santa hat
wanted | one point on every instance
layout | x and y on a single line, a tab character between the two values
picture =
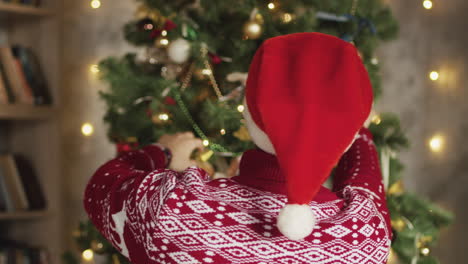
308	94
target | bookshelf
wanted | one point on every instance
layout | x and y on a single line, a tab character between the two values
34	131
26	215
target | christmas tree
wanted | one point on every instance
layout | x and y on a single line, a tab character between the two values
190	76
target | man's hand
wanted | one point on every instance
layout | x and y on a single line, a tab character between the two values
181	146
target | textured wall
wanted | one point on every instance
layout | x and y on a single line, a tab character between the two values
88	36
432	40
428	40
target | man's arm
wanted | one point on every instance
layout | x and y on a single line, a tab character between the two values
359	169
112	195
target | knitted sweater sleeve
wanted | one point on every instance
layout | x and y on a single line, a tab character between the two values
359	170
110	194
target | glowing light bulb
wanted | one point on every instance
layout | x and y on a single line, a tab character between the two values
87	129
164	41
163	117
94	68
164	33
240	108
222	131
427	4
88	255
254	28
206	142
436	143
434	75
206	71
95	4
148	26
287	18
271	5
425	251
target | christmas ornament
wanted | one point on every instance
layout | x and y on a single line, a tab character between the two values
163	31
145	12
252	29
179	50
215	59
398	224
242	134
169	101
396	189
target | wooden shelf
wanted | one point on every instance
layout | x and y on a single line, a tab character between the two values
26	112
21	9
23	215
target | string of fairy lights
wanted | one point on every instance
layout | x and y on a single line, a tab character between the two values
435	143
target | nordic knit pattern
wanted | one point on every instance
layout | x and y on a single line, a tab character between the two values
153	215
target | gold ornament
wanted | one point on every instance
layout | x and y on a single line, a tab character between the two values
398	224
397	188
287	18
423	241
132	139
242	134
206	155
253	29
144	11
392	257
115	259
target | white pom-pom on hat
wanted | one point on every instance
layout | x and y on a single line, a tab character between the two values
296	221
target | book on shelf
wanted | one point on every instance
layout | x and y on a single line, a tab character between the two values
24	2
22	79
12	252
20	189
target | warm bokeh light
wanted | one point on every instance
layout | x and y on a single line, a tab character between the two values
376	119
94	68
87	129
240	108
206	142
433	75
88	255
206	72
164	41
95	4
427	4
425	251
222	131
287	17
271	5
436	143
163	117
254	28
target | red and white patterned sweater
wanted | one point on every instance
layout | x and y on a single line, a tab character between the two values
154	215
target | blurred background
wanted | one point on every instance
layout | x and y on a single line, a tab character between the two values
422	82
